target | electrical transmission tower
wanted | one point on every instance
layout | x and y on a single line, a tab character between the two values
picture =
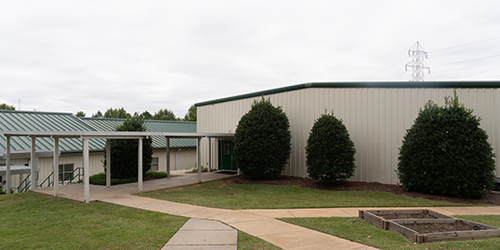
417	63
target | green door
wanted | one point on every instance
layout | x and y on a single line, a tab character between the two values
226	158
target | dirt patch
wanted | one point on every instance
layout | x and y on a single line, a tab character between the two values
492	199
407	216
438	227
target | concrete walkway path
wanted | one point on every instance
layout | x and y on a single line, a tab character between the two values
203	234
261	223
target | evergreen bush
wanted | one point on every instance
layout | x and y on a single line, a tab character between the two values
262	141
330	151
124	152
445	152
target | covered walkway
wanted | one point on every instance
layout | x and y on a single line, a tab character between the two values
85	136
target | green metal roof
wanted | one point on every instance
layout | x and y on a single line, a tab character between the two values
159	142
67	122
441	84
11	120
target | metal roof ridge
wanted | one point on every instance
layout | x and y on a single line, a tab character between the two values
36	112
358	84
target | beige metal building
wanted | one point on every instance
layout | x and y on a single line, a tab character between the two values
376	115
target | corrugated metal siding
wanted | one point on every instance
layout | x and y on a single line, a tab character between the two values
186	158
376	118
110	124
42	121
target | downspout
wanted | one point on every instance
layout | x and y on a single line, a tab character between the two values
176	158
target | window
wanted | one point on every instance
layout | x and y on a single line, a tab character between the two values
154	164
65	172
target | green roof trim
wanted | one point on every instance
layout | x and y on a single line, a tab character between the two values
439	84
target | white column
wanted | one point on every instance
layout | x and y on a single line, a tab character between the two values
108	163
56	166
86	171
33	164
140	166
7	164
209	154
168	157
20	180
198	152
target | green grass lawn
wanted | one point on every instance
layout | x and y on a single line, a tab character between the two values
32	221
251	196
358	230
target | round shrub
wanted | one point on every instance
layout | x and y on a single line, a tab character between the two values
124	152
446	153
262	141
330	151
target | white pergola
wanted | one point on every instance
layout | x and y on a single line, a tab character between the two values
85	136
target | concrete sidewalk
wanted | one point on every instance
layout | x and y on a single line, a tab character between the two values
99	193
203	234
261	223
279	233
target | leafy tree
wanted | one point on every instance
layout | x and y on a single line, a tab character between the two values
124	152
262	141
146	115
330	151
80	114
445	152
116	113
5	106
191	114
97	115
164	114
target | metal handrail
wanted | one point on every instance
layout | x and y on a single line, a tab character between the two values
26	182
71	177
48	180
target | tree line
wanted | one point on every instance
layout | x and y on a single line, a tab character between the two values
162	114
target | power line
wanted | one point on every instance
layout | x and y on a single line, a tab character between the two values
495	69
396	76
386	69
494	38
466	28
471	60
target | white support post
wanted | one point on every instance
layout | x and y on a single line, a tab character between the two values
7	164
86	171
140	166
56	166
20	179
209	154
198	151
34	163
168	157
108	163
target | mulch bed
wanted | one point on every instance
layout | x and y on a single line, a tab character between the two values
492	199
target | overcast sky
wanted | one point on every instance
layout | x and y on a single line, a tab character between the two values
68	56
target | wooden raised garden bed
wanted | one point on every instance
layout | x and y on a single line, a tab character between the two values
424	225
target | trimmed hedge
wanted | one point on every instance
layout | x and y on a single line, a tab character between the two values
262	141
330	151
100	178
445	152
